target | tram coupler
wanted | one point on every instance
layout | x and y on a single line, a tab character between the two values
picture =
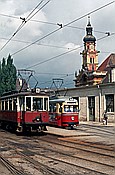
19	129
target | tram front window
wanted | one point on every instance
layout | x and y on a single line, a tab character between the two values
28	103
67	108
37	104
75	109
70	108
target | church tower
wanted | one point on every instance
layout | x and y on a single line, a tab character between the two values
89	74
89	54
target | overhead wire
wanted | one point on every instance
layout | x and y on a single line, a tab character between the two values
108	34
54	57
49	73
62	54
25	20
81	28
50	81
49	45
52	23
62	26
87	14
42	44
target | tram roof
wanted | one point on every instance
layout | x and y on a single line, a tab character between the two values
23	93
64	99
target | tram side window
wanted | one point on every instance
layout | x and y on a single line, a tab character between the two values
6	104
60	107
22	103
46	104
10	104
52	108
37	103
2	105
28	103
14	104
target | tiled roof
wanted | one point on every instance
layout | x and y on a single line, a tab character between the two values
108	62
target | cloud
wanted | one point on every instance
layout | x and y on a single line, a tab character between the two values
55	12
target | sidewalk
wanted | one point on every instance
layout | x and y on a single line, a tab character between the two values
76	132
92	123
65	132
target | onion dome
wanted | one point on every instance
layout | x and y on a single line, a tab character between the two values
89	37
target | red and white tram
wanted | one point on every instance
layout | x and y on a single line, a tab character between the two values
64	112
24	111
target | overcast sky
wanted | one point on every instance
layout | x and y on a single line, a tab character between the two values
41	56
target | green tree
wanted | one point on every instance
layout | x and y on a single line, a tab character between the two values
3	76
8	75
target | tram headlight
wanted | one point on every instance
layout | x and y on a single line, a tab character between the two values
72	118
38	119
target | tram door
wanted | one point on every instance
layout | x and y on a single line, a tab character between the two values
91	106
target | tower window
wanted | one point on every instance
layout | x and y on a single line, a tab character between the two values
90	60
93	60
87	46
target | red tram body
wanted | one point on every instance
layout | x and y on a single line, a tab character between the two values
64	112
24	111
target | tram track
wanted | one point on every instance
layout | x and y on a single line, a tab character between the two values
57	160
10	166
61	156
52	155
40	167
73	141
78	145
63	149
36	161
77	148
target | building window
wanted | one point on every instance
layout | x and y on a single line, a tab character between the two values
109	102
113	75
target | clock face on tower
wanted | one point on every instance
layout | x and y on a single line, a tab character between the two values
92	47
